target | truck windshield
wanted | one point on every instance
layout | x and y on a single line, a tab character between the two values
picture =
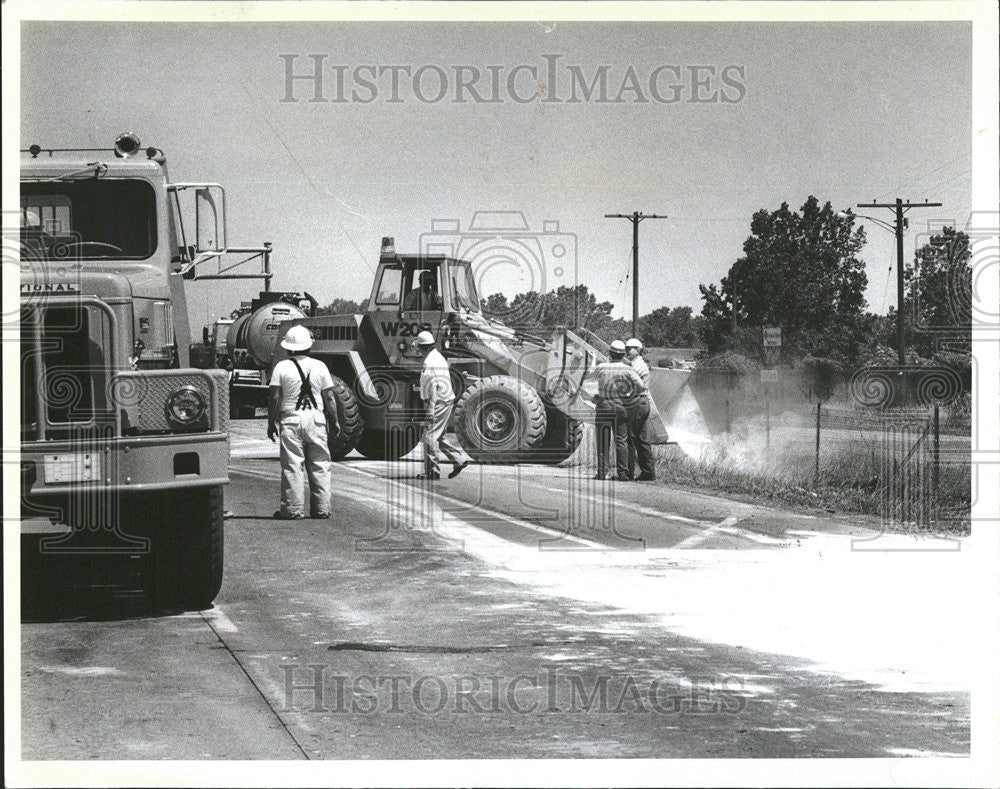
88	219
463	287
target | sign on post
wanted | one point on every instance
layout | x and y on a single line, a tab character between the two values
772	337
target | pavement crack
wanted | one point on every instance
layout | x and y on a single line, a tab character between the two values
430	649
253	682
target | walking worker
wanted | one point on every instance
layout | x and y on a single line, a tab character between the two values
618	386
301	402
638	445
439	399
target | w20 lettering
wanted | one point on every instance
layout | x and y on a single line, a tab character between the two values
402	329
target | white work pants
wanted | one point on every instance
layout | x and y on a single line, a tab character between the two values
434	439
304	450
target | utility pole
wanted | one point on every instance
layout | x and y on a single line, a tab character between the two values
635	218
898	226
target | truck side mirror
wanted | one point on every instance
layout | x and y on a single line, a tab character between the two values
210	233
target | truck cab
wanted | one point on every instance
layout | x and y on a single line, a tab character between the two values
111	411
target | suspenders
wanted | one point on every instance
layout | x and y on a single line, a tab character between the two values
306	399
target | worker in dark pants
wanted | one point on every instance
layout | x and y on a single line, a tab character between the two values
617	386
637	412
639	449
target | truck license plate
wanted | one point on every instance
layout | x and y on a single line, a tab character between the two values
72	467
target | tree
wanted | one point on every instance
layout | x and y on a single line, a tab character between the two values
939	292
669	328
800	271
564	306
340	307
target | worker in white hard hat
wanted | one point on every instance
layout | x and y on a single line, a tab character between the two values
639	449
439	399
302	406
633	353
618	386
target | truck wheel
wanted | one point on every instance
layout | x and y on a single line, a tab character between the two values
185	529
388	445
349	417
240	408
562	436
500	420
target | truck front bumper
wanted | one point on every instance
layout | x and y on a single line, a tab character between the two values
133	463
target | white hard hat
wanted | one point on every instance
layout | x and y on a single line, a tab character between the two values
618	347
425	338
298	338
633	343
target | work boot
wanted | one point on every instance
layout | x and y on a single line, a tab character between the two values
644	477
457	470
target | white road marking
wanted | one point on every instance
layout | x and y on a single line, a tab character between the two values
218	620
725	527
492	513
638	509
403	509
82	671
702	536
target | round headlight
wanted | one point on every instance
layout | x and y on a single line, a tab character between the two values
185	406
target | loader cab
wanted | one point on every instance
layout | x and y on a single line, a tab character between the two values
414	293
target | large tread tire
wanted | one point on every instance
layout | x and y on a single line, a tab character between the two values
500	420
392	445
563	435
349	416
185	529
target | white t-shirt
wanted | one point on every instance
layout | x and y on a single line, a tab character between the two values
435	376
287	377
641	368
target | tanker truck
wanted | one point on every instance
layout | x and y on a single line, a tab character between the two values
250	341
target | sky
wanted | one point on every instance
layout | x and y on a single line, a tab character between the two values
848	112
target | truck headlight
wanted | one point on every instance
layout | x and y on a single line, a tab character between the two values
185	406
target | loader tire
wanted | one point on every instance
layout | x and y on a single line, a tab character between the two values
393	444
349	419
562	436
500	420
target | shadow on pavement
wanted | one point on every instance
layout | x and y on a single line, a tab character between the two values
80	587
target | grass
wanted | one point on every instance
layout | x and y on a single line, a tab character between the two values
853	477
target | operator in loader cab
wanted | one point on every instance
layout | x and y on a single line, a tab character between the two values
425	298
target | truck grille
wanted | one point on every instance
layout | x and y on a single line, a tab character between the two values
66	352
71	378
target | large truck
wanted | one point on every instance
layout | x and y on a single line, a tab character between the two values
124	444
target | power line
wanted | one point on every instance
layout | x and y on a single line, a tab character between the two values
635	218
898	226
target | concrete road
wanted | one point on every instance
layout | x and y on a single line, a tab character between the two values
510	613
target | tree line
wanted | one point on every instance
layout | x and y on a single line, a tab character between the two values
800	271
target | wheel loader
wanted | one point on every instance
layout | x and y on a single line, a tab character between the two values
520	397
